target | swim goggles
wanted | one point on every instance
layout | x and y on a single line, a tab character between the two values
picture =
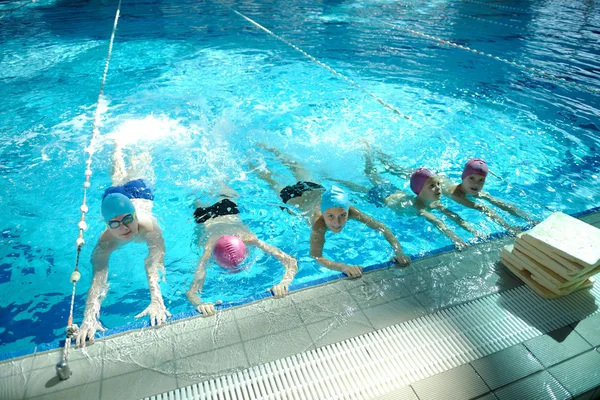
128	219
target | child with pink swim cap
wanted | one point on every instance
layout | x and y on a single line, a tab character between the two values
425	185
221	226
472	180
326	210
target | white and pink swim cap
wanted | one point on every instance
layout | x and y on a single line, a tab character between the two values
229	251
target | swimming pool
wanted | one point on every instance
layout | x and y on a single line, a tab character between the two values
197	86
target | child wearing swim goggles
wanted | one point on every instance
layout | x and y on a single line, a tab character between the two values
127	213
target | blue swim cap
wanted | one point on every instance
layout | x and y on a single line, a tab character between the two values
116	204
334	197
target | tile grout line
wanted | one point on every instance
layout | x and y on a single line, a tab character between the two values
28	379
546	369
573	327
102	368
242	341
480	377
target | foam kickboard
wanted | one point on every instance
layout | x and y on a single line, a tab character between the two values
536	268
568	237
525	276
512	263
559	265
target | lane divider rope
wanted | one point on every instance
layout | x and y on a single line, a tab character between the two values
327	67
62	368
547	75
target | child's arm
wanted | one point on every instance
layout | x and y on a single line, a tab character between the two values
289	263
492	215
97	291
317	241
456	218
458	242
195	290
154	263
400	258
511	208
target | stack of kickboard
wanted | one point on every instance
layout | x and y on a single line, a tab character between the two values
557	257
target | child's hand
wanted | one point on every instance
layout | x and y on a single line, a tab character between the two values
401	259
353	272
87	330
206	309
515	230
157	312
460	245
280	290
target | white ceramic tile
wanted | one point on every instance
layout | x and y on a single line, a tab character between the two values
210	365
136	351
90	391
45	380
340	328
379	289
139	384
459	383
93	353
269	323
206	339
318	292
13	387
267	305
404	393
394	312
429	279
16	366
317	309
272	347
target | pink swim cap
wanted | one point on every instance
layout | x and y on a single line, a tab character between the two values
418	179
229	251
475	166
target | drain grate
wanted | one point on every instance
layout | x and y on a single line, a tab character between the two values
371	365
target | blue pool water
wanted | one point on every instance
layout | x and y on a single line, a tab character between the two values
197	86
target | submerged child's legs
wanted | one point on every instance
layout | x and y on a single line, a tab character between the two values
394	168
299	170
370	170
118	172
266	175
141	167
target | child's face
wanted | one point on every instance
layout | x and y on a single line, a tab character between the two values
125	231
432	189
335	218
472	184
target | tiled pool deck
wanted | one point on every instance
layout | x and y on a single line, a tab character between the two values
563	364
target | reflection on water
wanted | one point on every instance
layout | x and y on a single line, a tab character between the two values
197	86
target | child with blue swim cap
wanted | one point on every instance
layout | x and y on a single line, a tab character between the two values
327	210
427	189
127	212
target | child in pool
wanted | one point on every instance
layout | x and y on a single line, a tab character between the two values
427	189
473	178
127	212
471	187
326	210
221	219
